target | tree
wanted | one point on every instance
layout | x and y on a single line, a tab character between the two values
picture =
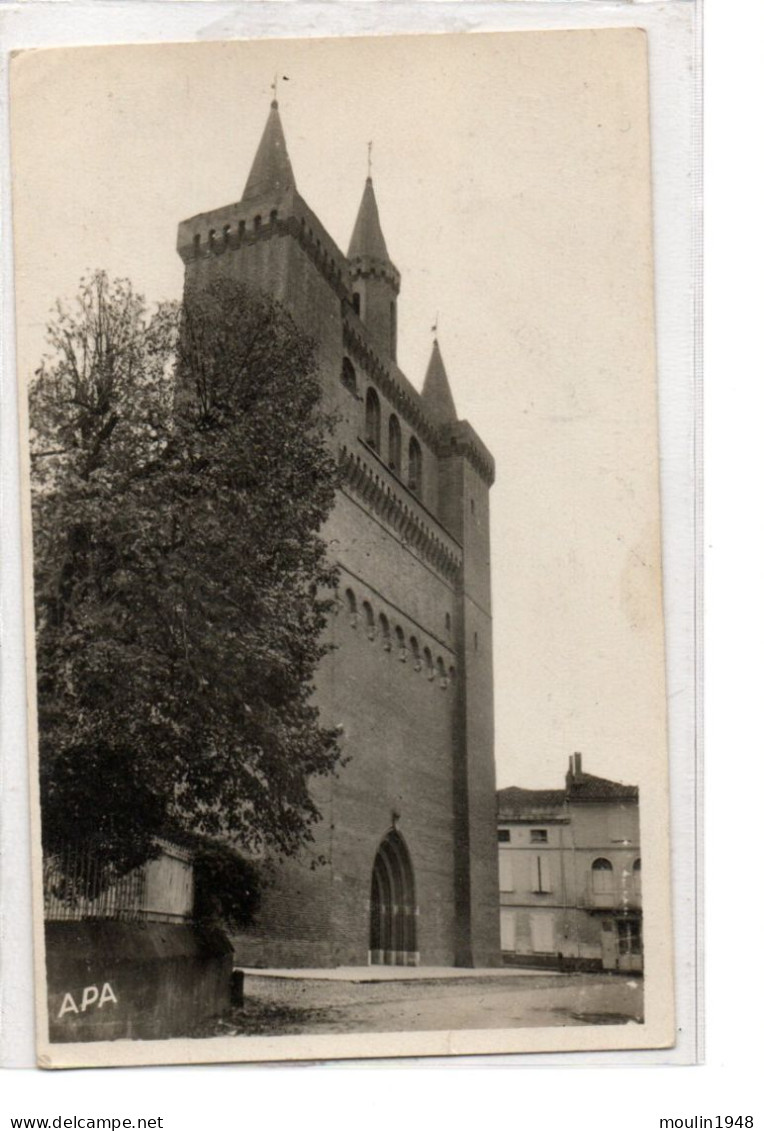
181	477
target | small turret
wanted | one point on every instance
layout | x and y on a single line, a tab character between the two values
436	393
271	174
375	279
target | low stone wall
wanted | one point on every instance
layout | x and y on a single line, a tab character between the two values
109	979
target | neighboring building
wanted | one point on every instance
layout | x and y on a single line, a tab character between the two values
570	874
408	831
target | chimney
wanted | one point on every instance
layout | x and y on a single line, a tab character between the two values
575	766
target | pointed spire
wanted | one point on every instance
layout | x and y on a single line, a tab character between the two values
436	393
271	173
367	238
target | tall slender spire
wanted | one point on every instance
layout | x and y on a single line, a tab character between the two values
367	238
436	392
271	173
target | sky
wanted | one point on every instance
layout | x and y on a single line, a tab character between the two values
512	177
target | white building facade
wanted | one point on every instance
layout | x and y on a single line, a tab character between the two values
570	874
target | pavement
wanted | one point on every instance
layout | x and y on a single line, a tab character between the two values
404	999
397	973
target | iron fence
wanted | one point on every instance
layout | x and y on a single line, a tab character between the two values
78	885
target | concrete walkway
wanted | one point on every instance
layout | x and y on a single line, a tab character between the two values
399	973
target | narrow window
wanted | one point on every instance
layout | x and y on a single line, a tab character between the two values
242	230
602	877
352	607
414	645
475	641
197	244
372	419
274	215
368	618
452	676
400	641
226	234
357	303
258	222
384	628
448	622
212	238
637	871
415	466
428	664
394	443
441	668
541	884
348	374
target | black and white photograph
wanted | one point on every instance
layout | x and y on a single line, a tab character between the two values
345	641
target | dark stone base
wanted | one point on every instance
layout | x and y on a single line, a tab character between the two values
109	980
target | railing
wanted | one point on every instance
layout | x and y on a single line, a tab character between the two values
77	885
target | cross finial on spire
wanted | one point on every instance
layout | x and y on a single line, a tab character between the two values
368	160
434	327
275	87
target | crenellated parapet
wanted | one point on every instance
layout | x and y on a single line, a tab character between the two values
415	527
460	438
240	225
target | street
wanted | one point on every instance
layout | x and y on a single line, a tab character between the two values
354	1001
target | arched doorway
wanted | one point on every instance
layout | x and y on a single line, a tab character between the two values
392	927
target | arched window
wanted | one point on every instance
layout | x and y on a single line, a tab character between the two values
373	419
602	877
415	465
448	622
384	628
348	374
352	607
442	677
394	443
400	641
226	234
428	665
414	645
368	620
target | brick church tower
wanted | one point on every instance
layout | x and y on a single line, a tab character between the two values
408	863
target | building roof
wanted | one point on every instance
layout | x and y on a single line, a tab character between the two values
515	802
587	787
367	239
436	392
271	172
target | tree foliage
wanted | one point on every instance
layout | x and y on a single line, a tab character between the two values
181	476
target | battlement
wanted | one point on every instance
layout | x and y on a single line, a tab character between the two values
237	225
369	267
462	439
